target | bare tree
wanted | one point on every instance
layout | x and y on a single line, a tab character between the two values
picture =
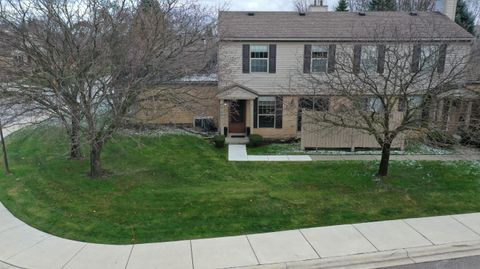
301	5
108	53
389	87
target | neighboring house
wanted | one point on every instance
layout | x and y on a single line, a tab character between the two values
261	53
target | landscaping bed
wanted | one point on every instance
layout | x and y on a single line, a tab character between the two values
174	187
294	148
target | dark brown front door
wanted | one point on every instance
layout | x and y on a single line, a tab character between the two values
236	122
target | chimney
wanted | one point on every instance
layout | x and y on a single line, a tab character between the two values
447	7
318	6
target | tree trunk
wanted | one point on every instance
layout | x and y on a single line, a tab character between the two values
384	162
95	163
4	150
75	148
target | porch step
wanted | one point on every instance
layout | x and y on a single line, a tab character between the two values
236	140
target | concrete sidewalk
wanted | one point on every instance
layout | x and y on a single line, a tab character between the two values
365	245
238	153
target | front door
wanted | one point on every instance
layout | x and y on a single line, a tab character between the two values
236	122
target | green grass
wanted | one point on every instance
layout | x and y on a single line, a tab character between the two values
180	187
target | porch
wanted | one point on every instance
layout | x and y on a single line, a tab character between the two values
236	113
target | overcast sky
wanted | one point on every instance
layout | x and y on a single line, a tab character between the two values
258	5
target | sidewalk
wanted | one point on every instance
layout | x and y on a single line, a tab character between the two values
365	245
237	152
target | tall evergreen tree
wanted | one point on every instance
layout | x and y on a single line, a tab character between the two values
382	5
464	17
342	6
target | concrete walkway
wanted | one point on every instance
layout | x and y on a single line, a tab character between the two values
238	152
365	245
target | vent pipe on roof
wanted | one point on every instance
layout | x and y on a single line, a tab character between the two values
318	6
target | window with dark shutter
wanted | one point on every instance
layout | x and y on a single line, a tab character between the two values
357	57
416	54
307	58
442	58
272	68
381	59
246	58
279	112
331	57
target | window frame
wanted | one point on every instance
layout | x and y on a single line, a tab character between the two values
267	58
314	100
312	58
273	100
415	100
371	106
433	61
372	65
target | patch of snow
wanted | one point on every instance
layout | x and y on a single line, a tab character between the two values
200	78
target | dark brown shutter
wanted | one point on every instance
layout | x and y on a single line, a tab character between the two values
272	58
278	112
381	58
442	56
307	58
246	58
416	54
331	58
255	113
357	57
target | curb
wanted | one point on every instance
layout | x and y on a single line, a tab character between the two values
384	259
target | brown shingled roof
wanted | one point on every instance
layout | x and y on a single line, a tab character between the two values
347	26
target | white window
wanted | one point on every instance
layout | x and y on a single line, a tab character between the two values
373	104
259	58
414	102
369	58
266	112
429	57
319	59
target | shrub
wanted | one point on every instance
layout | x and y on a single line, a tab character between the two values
255	140
471	136
219	141
440	138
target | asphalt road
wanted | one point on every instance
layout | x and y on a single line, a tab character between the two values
461	263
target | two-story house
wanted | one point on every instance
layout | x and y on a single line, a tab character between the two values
263	56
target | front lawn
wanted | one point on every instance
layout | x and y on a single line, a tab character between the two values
176	187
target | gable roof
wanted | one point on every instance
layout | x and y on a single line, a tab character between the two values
341	26
237	92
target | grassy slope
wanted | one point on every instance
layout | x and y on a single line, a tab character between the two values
181	187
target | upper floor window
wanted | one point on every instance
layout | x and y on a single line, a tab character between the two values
259	58
319	59
266	111
429	57
369	58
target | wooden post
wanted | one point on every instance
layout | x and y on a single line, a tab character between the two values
4	149
468	114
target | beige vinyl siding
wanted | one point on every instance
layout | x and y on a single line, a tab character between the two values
289	78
